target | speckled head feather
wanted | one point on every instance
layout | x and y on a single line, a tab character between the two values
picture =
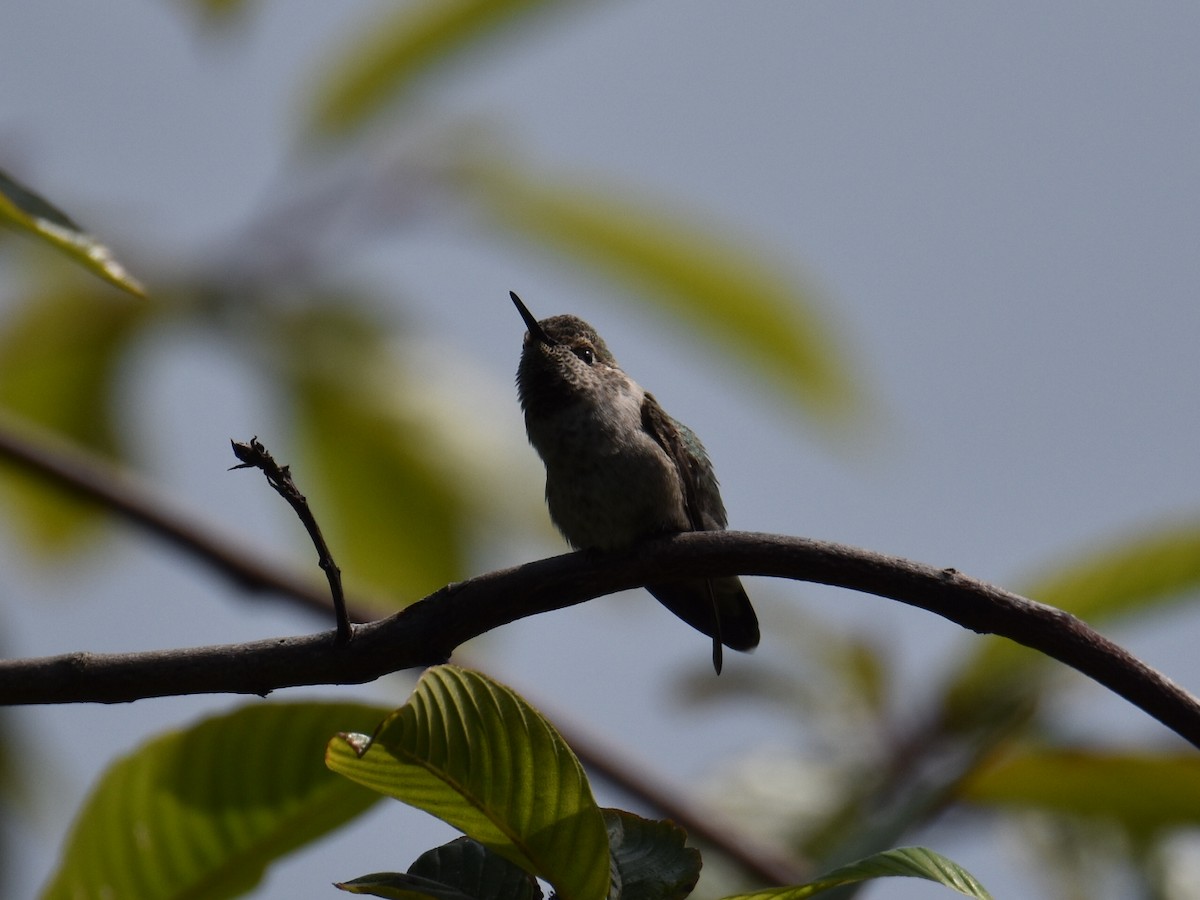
561	363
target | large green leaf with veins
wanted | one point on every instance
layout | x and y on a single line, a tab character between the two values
476	755
200	813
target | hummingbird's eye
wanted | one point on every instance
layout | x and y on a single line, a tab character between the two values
584	352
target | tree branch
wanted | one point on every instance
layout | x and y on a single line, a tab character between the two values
264	666
428	631
68	468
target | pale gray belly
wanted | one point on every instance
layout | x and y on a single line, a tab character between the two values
606	491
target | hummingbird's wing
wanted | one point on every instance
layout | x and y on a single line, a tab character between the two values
704	508
718	607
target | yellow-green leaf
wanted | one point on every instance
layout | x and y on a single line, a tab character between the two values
393	522
1146	569
741	298
476	755
1144	792
60	355
201	812
382	62
24	210
907	862
372	464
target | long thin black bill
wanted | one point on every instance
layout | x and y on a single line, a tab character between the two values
530	322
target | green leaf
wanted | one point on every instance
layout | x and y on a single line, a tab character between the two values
60	356
1143	571
22	209
469	866
393	449
736	294
650	860
201	812
460	870
393	522
1149	570
908	862
398	886
1145	793
372	462
473	753
387	58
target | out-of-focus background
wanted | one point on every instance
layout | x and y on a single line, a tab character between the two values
988	216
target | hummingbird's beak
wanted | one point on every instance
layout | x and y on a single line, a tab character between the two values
535	330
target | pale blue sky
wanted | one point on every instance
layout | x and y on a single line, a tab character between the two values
1000	201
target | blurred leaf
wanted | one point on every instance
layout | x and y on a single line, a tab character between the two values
203	811
393	513
460	869
650	861
1134	574
12	785
473	753
384	61
393	522
1145	793
866	672
909	862
22	209
835	680
220	12
734	293
1140	574
60	354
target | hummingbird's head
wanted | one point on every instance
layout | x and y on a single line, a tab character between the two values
563	361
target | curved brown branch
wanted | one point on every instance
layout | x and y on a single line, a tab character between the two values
71	469
428	631
269	664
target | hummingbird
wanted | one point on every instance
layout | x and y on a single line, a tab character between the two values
619	469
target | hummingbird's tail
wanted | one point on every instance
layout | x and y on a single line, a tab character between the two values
718	607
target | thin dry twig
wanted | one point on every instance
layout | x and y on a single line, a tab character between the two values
254	455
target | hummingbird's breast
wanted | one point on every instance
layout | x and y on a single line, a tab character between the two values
608	482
